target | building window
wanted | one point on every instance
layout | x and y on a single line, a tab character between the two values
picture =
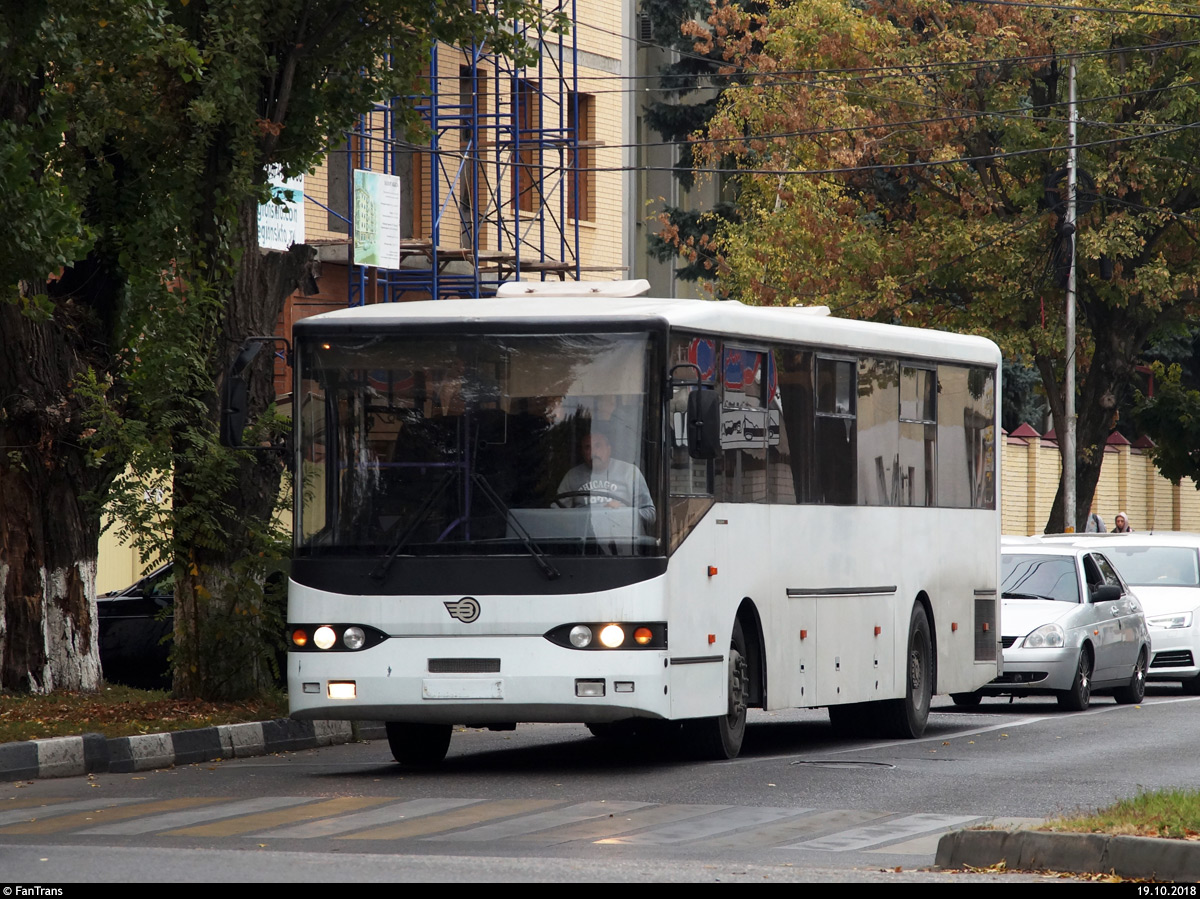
581	180
528	175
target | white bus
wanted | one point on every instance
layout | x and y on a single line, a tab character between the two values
617	511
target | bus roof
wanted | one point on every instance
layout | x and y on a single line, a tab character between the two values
725	317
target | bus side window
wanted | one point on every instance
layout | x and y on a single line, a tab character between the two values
882	481
789	457
835	454
742	468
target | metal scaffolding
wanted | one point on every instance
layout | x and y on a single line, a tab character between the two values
494	194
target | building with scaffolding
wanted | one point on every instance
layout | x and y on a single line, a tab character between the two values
521	175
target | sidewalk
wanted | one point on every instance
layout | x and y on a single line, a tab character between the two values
95	753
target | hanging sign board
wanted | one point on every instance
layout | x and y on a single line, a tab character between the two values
376	219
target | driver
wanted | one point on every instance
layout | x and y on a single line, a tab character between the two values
602	480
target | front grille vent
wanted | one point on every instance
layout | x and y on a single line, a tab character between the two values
464	666
1006	642
1180	658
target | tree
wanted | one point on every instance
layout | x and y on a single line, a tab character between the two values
78	111
675	114
905	162
171	113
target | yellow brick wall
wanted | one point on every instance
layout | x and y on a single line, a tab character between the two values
1129	483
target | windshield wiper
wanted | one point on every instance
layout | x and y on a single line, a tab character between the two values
418	519
493	497
1023	596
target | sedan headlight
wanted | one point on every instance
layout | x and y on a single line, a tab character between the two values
1179	619
1048	636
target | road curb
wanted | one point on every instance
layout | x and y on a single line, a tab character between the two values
1081	853
95	753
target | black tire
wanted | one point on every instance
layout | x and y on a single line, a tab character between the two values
1135	691
966	700
1079	696
418	745
906	718
721	737
1191	686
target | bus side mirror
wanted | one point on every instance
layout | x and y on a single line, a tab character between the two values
704	424
235	398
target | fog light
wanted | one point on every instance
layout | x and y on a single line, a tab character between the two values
342	689
587	688
354	638
581	636
324	637
612	636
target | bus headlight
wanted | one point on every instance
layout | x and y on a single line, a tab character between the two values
612	636
325	637
606	635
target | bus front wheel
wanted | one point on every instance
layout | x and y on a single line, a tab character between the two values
418	745
721	737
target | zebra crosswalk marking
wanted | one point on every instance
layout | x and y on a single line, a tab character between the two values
599	830
16	811
167	822
541	821
262	820
453	820
398	811
806	827
87	813
888	831
720	820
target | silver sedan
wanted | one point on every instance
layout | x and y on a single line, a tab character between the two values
1070	627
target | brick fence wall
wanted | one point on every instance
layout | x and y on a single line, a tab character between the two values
1129	482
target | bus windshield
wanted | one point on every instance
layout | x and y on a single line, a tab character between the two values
478	444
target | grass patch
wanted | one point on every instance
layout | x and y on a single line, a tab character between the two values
117	711
1162	813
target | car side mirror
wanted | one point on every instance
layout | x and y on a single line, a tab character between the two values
1106	593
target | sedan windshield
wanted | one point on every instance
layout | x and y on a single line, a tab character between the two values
1156	566
478	444
1030	576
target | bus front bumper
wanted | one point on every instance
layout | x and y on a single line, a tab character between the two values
478	680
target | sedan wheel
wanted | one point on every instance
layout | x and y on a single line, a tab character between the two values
1134	693
1080	695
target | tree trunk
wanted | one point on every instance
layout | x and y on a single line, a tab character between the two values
1119	336
212	596
48	532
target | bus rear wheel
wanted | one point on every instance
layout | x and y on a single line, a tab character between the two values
721	737
907	717
418	745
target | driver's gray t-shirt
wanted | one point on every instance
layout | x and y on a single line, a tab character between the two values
621	481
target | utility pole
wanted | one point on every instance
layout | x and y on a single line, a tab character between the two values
1068	438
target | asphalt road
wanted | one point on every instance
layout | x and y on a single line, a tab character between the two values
552	803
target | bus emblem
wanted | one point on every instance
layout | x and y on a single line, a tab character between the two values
465	610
